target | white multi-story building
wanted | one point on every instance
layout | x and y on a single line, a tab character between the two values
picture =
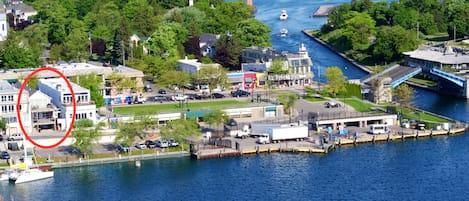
61	96
8	100
3	23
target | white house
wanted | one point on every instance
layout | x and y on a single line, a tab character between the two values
61	96
8	100
21	12
192	65
3	24
44	114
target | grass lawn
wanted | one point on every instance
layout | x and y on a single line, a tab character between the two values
411	114
174	107
359	105
429	83
313	98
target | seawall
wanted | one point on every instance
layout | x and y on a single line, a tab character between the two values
323	43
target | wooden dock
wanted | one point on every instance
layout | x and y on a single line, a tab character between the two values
323	11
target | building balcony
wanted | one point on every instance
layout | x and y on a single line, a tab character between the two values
79	103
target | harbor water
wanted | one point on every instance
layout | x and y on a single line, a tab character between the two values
417	169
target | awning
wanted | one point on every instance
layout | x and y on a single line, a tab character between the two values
197	114
270	109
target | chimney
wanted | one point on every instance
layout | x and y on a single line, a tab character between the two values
58	87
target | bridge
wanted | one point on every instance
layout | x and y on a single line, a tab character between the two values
448	76
397	73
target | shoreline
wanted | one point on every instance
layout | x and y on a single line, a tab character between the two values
344	56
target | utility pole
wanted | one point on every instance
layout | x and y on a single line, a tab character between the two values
319	78
123	52
91	44
454	33
417	30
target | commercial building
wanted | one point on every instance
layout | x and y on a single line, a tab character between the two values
61	97
9	96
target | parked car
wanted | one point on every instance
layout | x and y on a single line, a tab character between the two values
15	136
159	98
179	97
13	146
232	122
162	91
332	105
162	143
1	137
123	148
194	96
150	144
240	93
148	88
140	145
217	95
4	155
173	143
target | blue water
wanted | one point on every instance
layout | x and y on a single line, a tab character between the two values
423	169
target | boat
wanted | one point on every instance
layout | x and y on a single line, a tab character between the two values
283	15
29	174
283	32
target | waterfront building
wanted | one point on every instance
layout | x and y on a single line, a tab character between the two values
192	66
109	87
438	57
297	65
44	114
9	98
61	97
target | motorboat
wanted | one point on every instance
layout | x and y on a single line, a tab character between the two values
283	15
29	175
283	32
5	175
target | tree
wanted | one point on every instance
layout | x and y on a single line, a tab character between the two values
336	80
17	54
392	41
252	32
404	95
163	41
76	45
192	47
130	131
288	101
3	125
228	51
85	137
174	78
278	67
216	118
93	83
213	76
188	17
181	129
32	82
358	30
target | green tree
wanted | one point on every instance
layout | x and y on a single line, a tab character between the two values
17	54
278	67
404	95
129	132
93	83
3	125
216	118
392	41
228	50
85	138
252	32
32	82
162	42
181	129
336	80
174	78
76	45
213	76
358	30
288	101
188	17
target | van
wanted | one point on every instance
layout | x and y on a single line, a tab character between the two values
379	129
15	136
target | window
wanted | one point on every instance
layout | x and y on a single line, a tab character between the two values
71	115
4	98
10	98
91	114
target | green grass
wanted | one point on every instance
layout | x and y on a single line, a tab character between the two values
4	164
429	83
423	116
359	105
314	98
174	107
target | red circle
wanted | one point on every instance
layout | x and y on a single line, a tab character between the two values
18	113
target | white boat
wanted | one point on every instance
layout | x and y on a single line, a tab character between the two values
29	174
283	32
283	15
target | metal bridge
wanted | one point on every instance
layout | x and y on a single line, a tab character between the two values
448	76
397	73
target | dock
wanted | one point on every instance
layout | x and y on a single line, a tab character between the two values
323	11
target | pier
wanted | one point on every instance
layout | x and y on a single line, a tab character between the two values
323	11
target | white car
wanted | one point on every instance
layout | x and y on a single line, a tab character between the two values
179	97
141	145
162	143
15	136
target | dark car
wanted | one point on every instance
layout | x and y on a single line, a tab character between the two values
160	98
4	155
13	146
232	122
1	137
162	91
148	88
217	95
150	144
240	93
194	96
123	148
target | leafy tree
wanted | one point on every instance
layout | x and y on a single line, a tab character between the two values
188	17
3	125
142	15
277	68
228	51
213	76
192	47
130	131
33	82
226	16
336	80
288	101
181	129
116	51
404	95
379	11
93	83
56	34
252	32
162	42
392	41
76	45
85	137
16	54
174	78
216	118
358	30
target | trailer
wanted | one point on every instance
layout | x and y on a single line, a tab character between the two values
275	135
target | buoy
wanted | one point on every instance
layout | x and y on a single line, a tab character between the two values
137	163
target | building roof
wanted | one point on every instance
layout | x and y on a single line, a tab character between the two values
21	7
7	88
208	39
39	95
438	55
60	84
